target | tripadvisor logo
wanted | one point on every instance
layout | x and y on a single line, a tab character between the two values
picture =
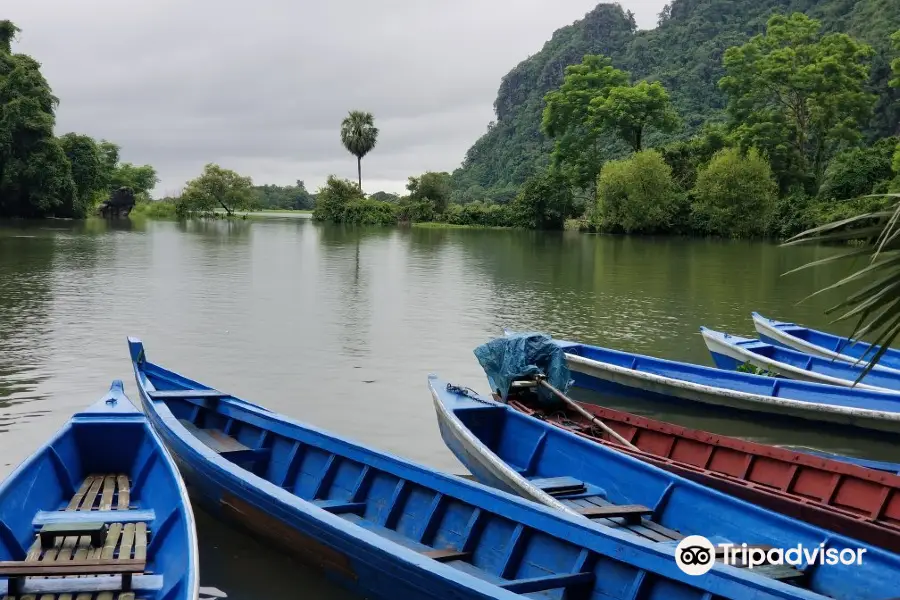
696	555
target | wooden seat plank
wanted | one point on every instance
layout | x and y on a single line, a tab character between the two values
91	497
109	487
124	492
71	567
83	516
79	495
218	441
556	486
632	513
140	541
127	541
446	554
112	540
186	394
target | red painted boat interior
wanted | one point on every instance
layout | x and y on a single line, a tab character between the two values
846	490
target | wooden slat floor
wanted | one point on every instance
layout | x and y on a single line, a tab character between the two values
123	541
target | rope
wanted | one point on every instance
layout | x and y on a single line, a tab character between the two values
467	392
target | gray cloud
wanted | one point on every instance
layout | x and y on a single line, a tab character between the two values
261	87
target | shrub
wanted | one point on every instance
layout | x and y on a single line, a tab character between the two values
545	202
856	172
638	195
332	199
365	211
735	194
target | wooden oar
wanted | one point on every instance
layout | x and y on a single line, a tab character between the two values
575	406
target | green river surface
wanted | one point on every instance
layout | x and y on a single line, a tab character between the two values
339	327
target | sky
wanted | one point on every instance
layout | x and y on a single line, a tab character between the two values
261	87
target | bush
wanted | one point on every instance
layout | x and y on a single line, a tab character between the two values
332	199
155	209
370	212
735	195
856	172
545	202
829	211
479	213
638	195
792	214
415	211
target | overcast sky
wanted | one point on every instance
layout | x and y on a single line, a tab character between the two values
261	86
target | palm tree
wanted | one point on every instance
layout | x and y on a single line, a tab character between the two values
359	134
876	306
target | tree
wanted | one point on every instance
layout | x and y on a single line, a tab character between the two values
735	194
384	197
334	197
87	170
566	118
629	110
545	201
217	187
798	95
35	175
142	179
359	135
638	194
431	186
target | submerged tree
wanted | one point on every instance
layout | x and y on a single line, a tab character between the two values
359	135
216	187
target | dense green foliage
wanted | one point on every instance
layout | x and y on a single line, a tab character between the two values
545	202
639	195
42	175
359	136
685	54
216	187
798	95
631	110
433	187
284	197
735	195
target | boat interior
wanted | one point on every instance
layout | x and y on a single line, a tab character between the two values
88	516
621	492
432	515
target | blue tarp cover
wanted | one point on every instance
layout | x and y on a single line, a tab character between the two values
521	355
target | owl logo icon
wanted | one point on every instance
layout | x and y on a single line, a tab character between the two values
695	555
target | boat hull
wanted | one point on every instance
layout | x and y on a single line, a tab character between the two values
608	378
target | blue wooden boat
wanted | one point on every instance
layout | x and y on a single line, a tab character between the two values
387	528
98	512
528	456
731	351
827	345
626	374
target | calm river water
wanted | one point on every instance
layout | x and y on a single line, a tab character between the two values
339	327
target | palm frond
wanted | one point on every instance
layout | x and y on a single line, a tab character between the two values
875	307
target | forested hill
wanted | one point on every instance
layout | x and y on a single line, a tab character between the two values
684	52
